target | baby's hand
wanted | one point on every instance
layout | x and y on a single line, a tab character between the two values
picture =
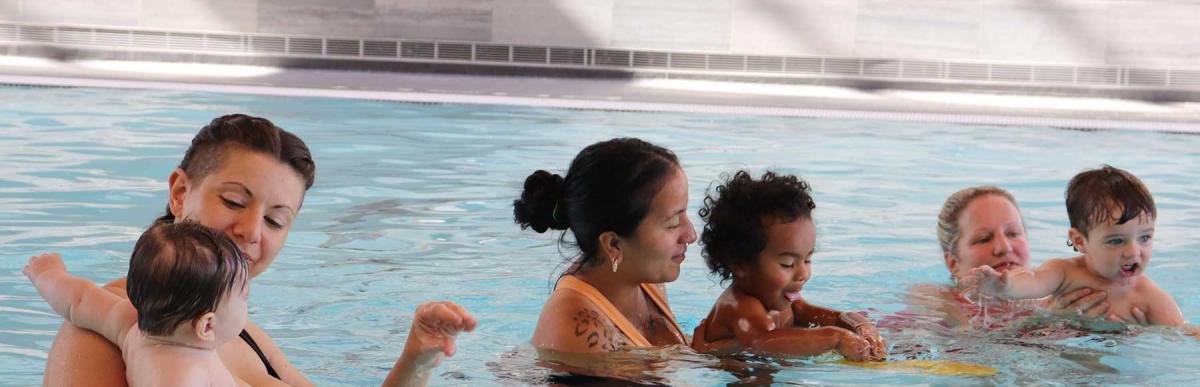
878	347
983	279
863	327
42	264
853	347
435	326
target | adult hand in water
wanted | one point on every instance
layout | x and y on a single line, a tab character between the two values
1083	302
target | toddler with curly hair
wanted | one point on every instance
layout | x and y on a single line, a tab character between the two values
760	235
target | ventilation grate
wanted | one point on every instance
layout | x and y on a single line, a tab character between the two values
727	62
8	32
36	34
843	66
182	41
423	50
1009	72
1147	77
649	59
149	39
72	35
303	46
612	58
570	56
881	68
493	53
772	64
1184	78
268	44
1061	74
803	65
457	51
1098	75
220	42
525	54
683	60
966	71
106	37
343	47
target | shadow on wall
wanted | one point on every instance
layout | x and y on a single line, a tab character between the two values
804	31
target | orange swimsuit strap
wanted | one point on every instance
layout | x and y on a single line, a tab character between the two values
577	285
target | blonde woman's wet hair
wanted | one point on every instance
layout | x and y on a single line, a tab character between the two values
948	227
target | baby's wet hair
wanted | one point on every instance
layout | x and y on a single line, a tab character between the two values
1093	195
180	271
733	213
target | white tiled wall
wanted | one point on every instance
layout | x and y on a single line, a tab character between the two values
1099	32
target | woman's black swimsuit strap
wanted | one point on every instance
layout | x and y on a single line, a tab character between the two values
253	345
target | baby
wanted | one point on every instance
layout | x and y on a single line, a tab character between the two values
1112	225
187	289
760	234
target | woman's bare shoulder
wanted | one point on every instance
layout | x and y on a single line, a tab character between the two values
571	323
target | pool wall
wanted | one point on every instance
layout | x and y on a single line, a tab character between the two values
1087	44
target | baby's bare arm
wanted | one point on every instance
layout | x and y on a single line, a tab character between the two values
1023	284
1163	309
1047	279
80	301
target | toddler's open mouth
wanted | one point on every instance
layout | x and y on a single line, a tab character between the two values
1130	269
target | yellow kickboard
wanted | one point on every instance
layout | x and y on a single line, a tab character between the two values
933	367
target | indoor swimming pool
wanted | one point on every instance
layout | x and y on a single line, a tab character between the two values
413	202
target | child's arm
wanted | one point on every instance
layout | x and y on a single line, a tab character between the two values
806	314
757	332
1162	308
1021	283
80	301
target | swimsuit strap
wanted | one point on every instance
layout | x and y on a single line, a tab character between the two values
661	301
635	336
253	345
569	282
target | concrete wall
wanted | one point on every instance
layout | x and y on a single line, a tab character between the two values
1101	32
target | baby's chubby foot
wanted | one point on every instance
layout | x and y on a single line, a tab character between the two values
40	265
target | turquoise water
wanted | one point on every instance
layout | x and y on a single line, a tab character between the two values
413	203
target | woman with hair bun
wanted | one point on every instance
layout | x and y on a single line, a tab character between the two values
625	203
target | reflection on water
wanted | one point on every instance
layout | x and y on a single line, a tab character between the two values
413	202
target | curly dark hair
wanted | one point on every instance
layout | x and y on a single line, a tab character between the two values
733	231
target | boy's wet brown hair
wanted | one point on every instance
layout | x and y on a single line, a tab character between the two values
1094	194
180	271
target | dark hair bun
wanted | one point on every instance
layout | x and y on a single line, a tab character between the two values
539	201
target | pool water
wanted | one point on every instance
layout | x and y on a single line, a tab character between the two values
413	203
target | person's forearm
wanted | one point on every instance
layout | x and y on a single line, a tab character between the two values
1027	284
411	369
64	292
796	341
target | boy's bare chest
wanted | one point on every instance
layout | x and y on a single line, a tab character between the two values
1122	298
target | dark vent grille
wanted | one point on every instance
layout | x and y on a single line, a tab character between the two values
612	58
344	47
457	51
268	44
574	56
529	54
310	46
416	50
